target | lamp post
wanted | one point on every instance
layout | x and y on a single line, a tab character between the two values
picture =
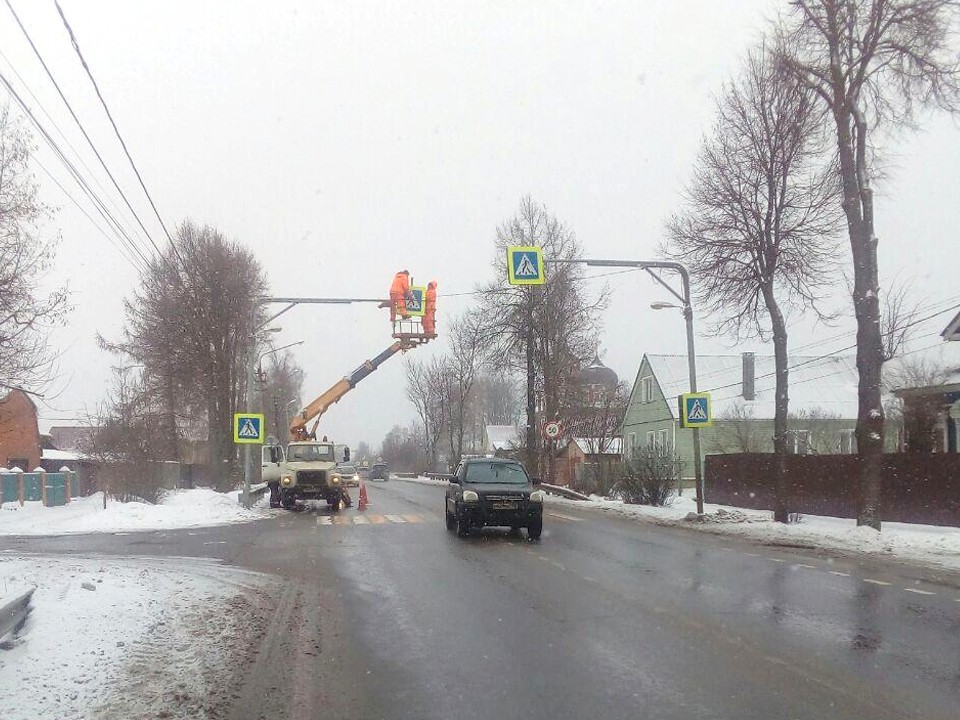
684	297
252	359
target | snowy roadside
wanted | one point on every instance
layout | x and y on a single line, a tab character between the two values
128	638
200	507
925	544
421	481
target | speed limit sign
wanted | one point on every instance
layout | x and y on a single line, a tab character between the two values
552	430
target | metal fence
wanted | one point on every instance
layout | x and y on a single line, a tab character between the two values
52	489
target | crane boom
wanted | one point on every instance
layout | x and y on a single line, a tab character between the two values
298	426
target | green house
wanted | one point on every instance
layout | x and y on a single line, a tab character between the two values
823	405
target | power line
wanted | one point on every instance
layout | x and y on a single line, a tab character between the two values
98	203
83	130
116	130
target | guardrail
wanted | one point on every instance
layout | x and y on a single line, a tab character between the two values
564	492
439	476
256	491
14	613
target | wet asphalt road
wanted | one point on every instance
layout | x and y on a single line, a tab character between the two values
395	617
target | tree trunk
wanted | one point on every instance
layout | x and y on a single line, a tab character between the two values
858	208
781	512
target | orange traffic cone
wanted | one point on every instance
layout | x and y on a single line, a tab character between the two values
362	505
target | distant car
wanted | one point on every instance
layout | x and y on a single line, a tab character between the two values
379	471
495	492
364	473
349	475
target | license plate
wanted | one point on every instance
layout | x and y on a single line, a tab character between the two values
506	506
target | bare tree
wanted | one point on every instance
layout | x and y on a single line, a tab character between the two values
280	391
872	63
739	431
499	398
427	390
597	421
190	323
919	402
558	322
26	360
760	219
462	365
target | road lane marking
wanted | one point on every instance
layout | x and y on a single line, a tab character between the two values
377	519
324	520
808	567
751	554
395	519
875	582
413	518
837	572
360	520
919	592
341	520
558	565
564	517
779	560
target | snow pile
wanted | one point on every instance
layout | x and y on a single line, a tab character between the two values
422	480
179	509
928	544
125	637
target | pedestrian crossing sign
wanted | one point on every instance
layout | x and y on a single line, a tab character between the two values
248	428
525	265
416	305
695	410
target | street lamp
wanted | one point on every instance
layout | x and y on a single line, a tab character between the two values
684	297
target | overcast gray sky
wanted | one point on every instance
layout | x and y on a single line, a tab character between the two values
342	141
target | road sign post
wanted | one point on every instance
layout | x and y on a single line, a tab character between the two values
248	428
525	265
695	410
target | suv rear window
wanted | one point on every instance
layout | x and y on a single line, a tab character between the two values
493	473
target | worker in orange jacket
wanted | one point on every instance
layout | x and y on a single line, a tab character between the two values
399	291
430	309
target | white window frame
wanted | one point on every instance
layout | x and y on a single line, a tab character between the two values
646	389
662	439
651	439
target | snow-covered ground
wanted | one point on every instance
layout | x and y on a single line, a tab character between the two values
201	507
422	481
126	638
927	544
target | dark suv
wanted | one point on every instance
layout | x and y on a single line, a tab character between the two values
488	492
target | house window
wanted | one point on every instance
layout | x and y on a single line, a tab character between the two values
662	439
651	440
646	389
848	442
632	439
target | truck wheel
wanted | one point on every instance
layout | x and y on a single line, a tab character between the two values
534	529
287	501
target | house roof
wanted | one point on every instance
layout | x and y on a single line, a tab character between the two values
952	331
70	437
502	437
816	383
926	368
589	446
596	373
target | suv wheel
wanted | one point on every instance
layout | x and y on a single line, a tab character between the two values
451	521
534	529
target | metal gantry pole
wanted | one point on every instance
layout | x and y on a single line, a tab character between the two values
290	302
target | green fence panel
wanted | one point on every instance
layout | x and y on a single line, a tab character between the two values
56	489
11	492
32	489
74	485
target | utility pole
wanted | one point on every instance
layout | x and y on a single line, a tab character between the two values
533	464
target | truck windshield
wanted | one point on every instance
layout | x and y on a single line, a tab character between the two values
505	473
308	453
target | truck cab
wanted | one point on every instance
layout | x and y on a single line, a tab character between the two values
305	470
